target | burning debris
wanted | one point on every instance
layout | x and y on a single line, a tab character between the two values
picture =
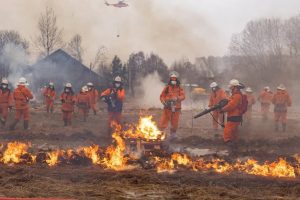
116	157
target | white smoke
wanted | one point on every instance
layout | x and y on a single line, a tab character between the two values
151	88
15	57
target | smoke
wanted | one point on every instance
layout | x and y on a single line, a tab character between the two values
150	26
150	90
15	58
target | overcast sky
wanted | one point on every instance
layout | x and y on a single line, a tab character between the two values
171	28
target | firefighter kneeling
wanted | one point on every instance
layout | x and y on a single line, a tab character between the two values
235	109
171	97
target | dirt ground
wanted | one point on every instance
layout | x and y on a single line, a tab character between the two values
258	140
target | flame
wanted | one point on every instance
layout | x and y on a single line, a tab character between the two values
53	157
146	129
14	152
92	152
115	155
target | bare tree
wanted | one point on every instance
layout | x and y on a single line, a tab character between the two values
100	60
258	50
292	35
75	48
50	36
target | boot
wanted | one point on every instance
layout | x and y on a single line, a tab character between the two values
95	112
283	127
173	135
13	125
26	125
65	122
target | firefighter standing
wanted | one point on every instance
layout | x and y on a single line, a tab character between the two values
251	102
171	97
68	100
22	95
49	95
234	115
94	96
6	100
281	101
83	102
216	96
265	99
114	98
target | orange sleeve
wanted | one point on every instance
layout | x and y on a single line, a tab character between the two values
121	94
96	94
28	94
224	95
181	96
274	99
105	93
233	103
253	100
62	96
163	96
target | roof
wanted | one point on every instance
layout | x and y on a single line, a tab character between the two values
60	68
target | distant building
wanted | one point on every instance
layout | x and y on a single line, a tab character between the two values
60	68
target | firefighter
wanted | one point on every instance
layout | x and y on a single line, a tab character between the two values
265	99
234	115
171	97
114	98
68	100
22	95
49	96
94	96
83	102
6	100
216	96
281	101
251	102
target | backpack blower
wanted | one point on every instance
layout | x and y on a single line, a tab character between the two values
220	105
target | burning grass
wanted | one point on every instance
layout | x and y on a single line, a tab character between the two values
115	157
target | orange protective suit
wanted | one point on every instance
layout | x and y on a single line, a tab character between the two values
251	102
68	100
22	95
281	101
214	99
176	94
117	95
94	99
6	101
234	117
83	102
265	99
49	95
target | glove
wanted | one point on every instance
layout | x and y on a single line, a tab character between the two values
10	108
62	101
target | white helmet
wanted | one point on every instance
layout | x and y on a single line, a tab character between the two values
248	89
174	74
118	79
281	87
234	82
267	88
213	85
90	84
22	81
68	85
4	81
51	84
84	89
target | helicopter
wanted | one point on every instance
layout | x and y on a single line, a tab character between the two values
120	4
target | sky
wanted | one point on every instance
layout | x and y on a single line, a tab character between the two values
174	29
